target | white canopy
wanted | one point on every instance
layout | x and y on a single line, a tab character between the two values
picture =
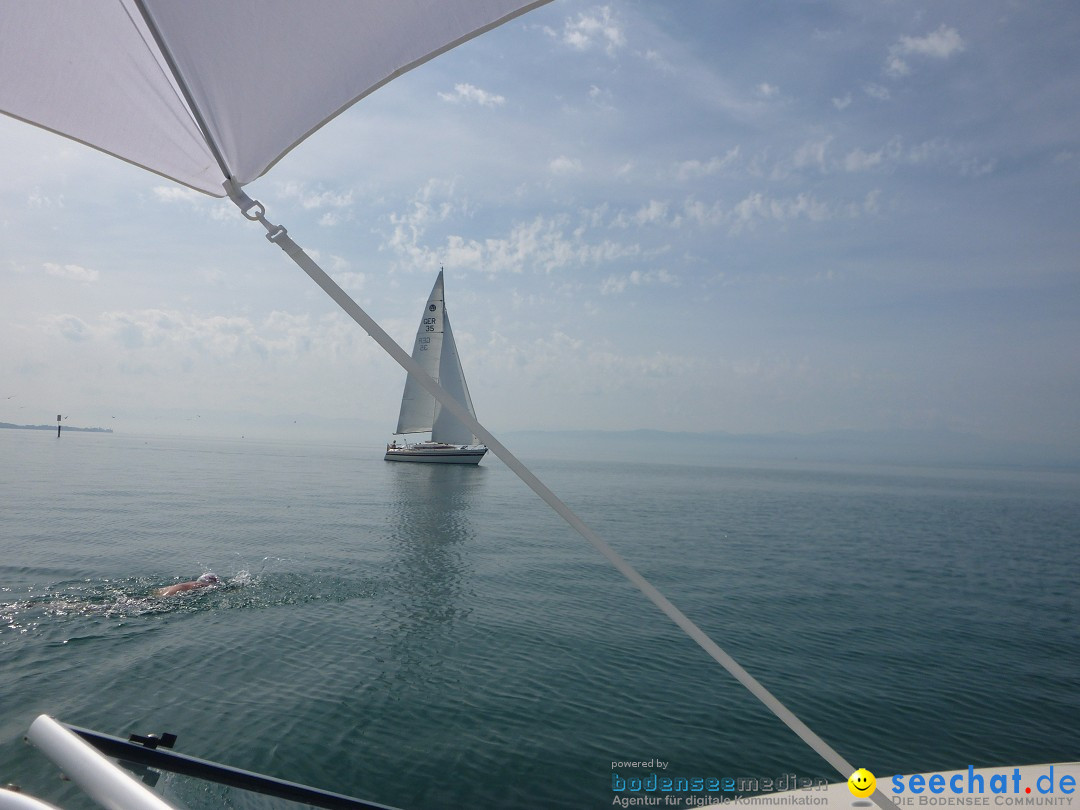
203	90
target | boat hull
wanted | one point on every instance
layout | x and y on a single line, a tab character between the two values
436	454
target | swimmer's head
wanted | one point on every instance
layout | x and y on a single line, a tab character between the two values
208	579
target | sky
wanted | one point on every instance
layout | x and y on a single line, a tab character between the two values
697	216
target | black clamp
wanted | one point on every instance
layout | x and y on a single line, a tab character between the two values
152	741
148	775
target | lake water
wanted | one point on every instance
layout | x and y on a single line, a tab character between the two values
430	637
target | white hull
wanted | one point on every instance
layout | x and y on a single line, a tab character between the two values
436	453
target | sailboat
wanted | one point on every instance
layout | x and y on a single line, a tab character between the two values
436	352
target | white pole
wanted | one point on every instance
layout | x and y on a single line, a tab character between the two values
13	800
88	768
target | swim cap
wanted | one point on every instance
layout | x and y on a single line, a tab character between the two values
208	577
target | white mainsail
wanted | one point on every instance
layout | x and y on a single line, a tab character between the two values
436	352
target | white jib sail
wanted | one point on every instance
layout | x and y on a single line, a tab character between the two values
435	350
447	428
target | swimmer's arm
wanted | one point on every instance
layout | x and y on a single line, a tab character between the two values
175	589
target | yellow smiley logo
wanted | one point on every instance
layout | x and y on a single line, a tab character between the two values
861	783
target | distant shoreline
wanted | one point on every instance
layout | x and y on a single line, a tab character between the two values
51	427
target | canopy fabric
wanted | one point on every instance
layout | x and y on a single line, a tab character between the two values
261	75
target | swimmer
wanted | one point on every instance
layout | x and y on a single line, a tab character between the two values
205	581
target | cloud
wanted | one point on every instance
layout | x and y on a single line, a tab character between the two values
613	371
317	199
341	269
766	90
177	338
597	366
859	160
934	152
470	94
689	169
871	205
811	154
637	278
973	167
705	216
71	327
652	213
72	272
426	208
564	166
173	194
601	98
542	244
539	243
757	207
38	200
880	92
592	29
353	282
657	60
219	210
940	44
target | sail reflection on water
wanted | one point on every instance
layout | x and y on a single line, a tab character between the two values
430	564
